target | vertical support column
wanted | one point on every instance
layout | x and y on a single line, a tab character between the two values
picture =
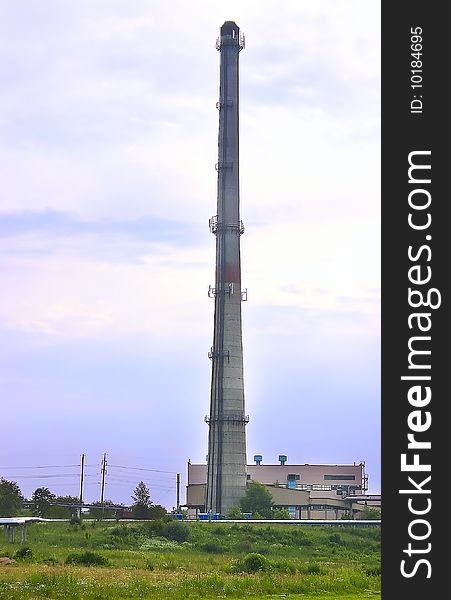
102	485
178	493
82	475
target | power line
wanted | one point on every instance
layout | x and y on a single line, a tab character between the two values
142	469
87	465
47	476
43	467
127	483
131	479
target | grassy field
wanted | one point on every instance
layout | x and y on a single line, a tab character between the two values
151	560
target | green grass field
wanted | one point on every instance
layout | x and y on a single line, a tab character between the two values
213	562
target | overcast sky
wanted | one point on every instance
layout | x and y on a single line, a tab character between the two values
108	141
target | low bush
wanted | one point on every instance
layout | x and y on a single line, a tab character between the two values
311	569
335	538
234	513
86	558
212	548
245	545
373	571
254	562
219	530
284	566
23	553
153	527
51	560
178	532
121	531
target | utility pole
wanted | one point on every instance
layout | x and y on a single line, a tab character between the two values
102	489
82	476
178	493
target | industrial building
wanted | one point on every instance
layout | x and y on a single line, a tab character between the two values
307	491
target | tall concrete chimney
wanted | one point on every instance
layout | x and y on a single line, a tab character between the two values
226	473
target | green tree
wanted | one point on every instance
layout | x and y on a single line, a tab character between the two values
234	513
156	511
41	499
280	513
257	499
10	498
100	510
141	501
64	512
371	513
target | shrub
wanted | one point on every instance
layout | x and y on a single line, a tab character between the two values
370	512
234	513
120	532
150	564
178	532
86	558
335	538
156	511
219	530
284	566
23	553
153	527
304	542
311	569
245	546
373	571
254	562
280	513
212	548
51	560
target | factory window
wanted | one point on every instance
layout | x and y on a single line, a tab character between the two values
292	477
339	477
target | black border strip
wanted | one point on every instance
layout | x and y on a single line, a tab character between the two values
422	133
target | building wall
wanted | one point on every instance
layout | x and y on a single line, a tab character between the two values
323	476
309	475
